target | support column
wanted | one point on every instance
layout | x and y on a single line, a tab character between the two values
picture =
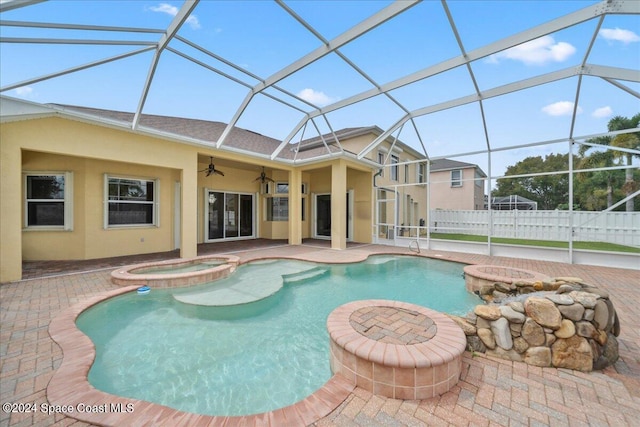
339	205
295	207
10	213
189	209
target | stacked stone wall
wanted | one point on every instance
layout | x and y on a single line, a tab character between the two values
561	322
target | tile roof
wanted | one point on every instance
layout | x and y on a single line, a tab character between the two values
243	139
447	164
203	130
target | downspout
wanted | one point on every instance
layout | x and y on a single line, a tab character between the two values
377	174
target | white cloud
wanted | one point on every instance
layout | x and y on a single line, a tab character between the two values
315	97
618	34
192	20
561	108
602	112
25	91
536	52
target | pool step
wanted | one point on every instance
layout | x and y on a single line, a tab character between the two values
379	259
249	284
303	276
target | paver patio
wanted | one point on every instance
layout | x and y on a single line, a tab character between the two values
490	392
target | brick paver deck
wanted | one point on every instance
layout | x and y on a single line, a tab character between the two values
491	392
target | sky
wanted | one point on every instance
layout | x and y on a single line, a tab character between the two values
262	38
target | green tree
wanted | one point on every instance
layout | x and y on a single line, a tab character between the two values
602	182
595	191
550	191
608	158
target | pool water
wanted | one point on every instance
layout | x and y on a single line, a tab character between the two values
255	357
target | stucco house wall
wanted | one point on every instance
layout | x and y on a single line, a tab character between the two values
466	196
89	150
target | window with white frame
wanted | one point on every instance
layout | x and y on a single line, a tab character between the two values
131	201
48	201
277	209
456	178
278	206
394	167
282	187
381	161
422	172
406	174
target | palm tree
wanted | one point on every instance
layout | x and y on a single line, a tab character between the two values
598	159
608	158
627	140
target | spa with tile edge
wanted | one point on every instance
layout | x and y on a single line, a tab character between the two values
395	349
151	273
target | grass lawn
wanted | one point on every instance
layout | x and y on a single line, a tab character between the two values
593	246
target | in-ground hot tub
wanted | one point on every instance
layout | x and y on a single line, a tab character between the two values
177	272
477	276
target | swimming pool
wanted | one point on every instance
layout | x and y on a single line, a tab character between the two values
253	357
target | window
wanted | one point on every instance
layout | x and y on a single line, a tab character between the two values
456	178
277	209
422	171
381	161
131	202
48	201
406	174
282	187
394	168
479	179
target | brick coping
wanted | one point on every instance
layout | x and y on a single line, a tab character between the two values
497	273
126	276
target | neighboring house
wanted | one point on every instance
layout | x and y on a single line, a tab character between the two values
456	185
453	184
404	205
81	183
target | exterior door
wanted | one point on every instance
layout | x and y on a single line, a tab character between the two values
322	216
230	216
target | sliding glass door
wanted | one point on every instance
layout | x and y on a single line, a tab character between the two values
229	215
323	215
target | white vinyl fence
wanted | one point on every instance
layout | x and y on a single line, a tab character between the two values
613	227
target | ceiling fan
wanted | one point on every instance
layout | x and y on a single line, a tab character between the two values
263	177
211	169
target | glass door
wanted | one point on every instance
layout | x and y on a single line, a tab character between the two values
229	215
246	215
215	215
323	215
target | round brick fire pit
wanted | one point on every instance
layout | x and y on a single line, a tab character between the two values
395	349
